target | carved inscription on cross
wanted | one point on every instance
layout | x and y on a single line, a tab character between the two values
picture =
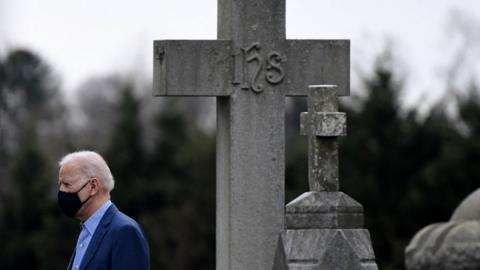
250	69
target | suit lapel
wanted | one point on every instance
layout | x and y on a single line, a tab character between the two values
71	259
98	235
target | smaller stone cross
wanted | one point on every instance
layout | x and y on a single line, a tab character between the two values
324	225
323	124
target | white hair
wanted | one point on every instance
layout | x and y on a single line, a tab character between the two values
92	165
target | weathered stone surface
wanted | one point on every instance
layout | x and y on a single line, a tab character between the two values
250	179
280	262
469	208
324	210
192	68
338	249
211	67
449	246
311	62
331	124
322	98
453	245
321	202
322	150
323	157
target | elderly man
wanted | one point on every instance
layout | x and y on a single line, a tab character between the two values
109	239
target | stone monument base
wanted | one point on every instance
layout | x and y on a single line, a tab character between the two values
324	232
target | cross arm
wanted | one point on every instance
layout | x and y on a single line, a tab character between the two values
192	68
314	62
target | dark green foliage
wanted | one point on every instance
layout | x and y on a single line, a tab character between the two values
125	154
182	194
29	217
407	173
296	167
30	224
25	72
24	212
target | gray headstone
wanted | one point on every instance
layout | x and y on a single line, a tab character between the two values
250	69
452	245
324	225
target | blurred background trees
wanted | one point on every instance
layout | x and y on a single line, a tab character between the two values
408	169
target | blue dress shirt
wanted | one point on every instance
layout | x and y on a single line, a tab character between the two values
88	229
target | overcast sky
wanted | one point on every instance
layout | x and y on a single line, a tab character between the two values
86	38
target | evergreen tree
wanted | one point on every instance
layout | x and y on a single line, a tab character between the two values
24	206
27	88
29	111
181	194
125	153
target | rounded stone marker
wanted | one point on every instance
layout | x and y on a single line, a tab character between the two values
453	245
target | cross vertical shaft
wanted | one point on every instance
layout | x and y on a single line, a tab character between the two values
250	127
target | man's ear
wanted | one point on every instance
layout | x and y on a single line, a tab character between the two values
95	186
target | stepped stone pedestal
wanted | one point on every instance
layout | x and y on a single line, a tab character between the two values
324	231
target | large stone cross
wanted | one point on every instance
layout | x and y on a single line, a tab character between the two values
250	69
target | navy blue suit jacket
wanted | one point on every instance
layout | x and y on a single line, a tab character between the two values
118	243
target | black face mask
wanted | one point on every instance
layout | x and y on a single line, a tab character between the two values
69	202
